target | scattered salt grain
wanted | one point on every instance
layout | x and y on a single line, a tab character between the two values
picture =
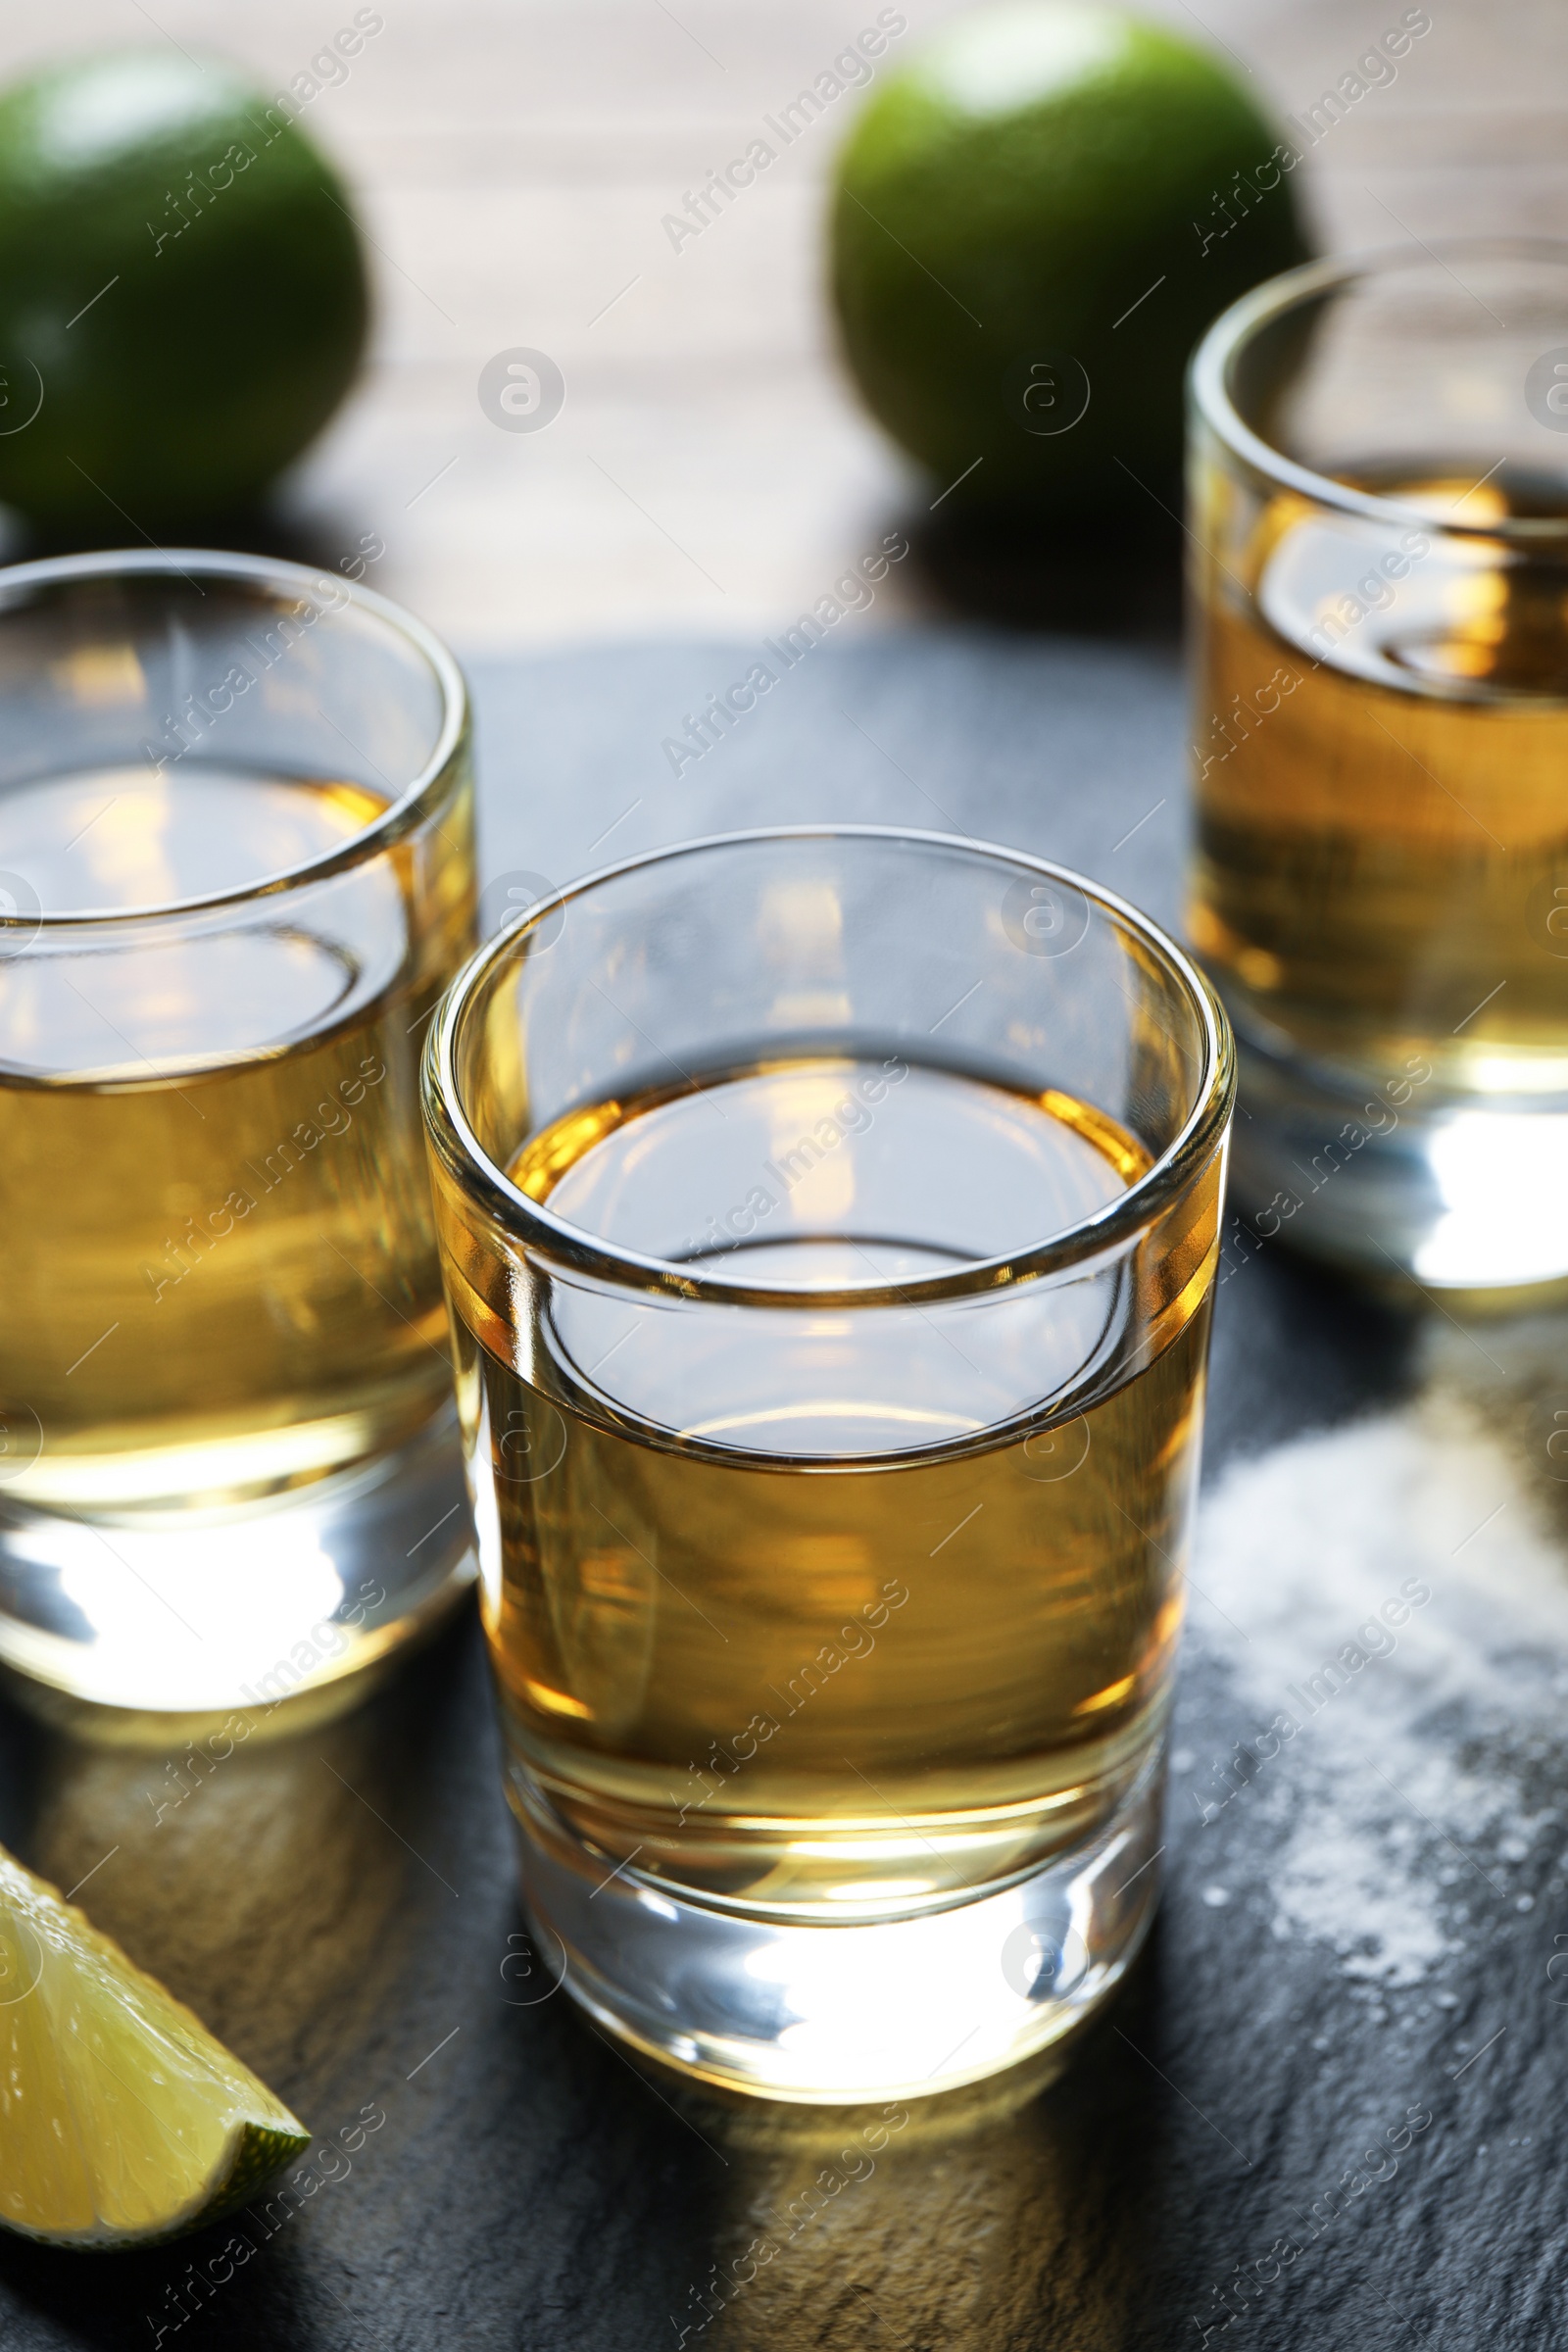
1409	1735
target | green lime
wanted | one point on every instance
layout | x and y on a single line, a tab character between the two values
121	2118
1035	220
183	299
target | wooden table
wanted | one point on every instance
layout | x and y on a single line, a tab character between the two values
710	471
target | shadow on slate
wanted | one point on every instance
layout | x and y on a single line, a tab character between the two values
340	1907
1108	575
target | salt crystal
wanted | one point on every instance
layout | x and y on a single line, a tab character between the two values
1421	1516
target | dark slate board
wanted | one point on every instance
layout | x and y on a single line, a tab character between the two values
349	1928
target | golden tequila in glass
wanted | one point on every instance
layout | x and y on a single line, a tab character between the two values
983	1639
215	1247
1376	909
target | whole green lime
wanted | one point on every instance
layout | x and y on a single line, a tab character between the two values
1035	220
182	298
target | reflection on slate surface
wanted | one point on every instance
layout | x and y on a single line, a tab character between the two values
1325	2112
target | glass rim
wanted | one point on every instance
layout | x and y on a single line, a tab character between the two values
400	815
1103	1234
1209	378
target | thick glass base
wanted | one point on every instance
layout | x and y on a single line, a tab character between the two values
836	2015
1402	1183
145	1627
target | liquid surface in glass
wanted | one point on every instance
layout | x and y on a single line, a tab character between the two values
772	1611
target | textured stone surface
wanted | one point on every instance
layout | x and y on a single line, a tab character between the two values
339	1908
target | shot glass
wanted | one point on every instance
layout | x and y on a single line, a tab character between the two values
1379	507
235	875
829	1219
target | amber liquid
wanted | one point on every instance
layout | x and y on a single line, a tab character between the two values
1380	766
774	1615
216	1250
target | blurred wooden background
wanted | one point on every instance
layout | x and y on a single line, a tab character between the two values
710	473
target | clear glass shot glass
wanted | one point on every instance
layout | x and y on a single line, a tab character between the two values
235	874
1379	511
829	1220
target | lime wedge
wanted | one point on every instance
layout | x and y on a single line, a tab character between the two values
122	2120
